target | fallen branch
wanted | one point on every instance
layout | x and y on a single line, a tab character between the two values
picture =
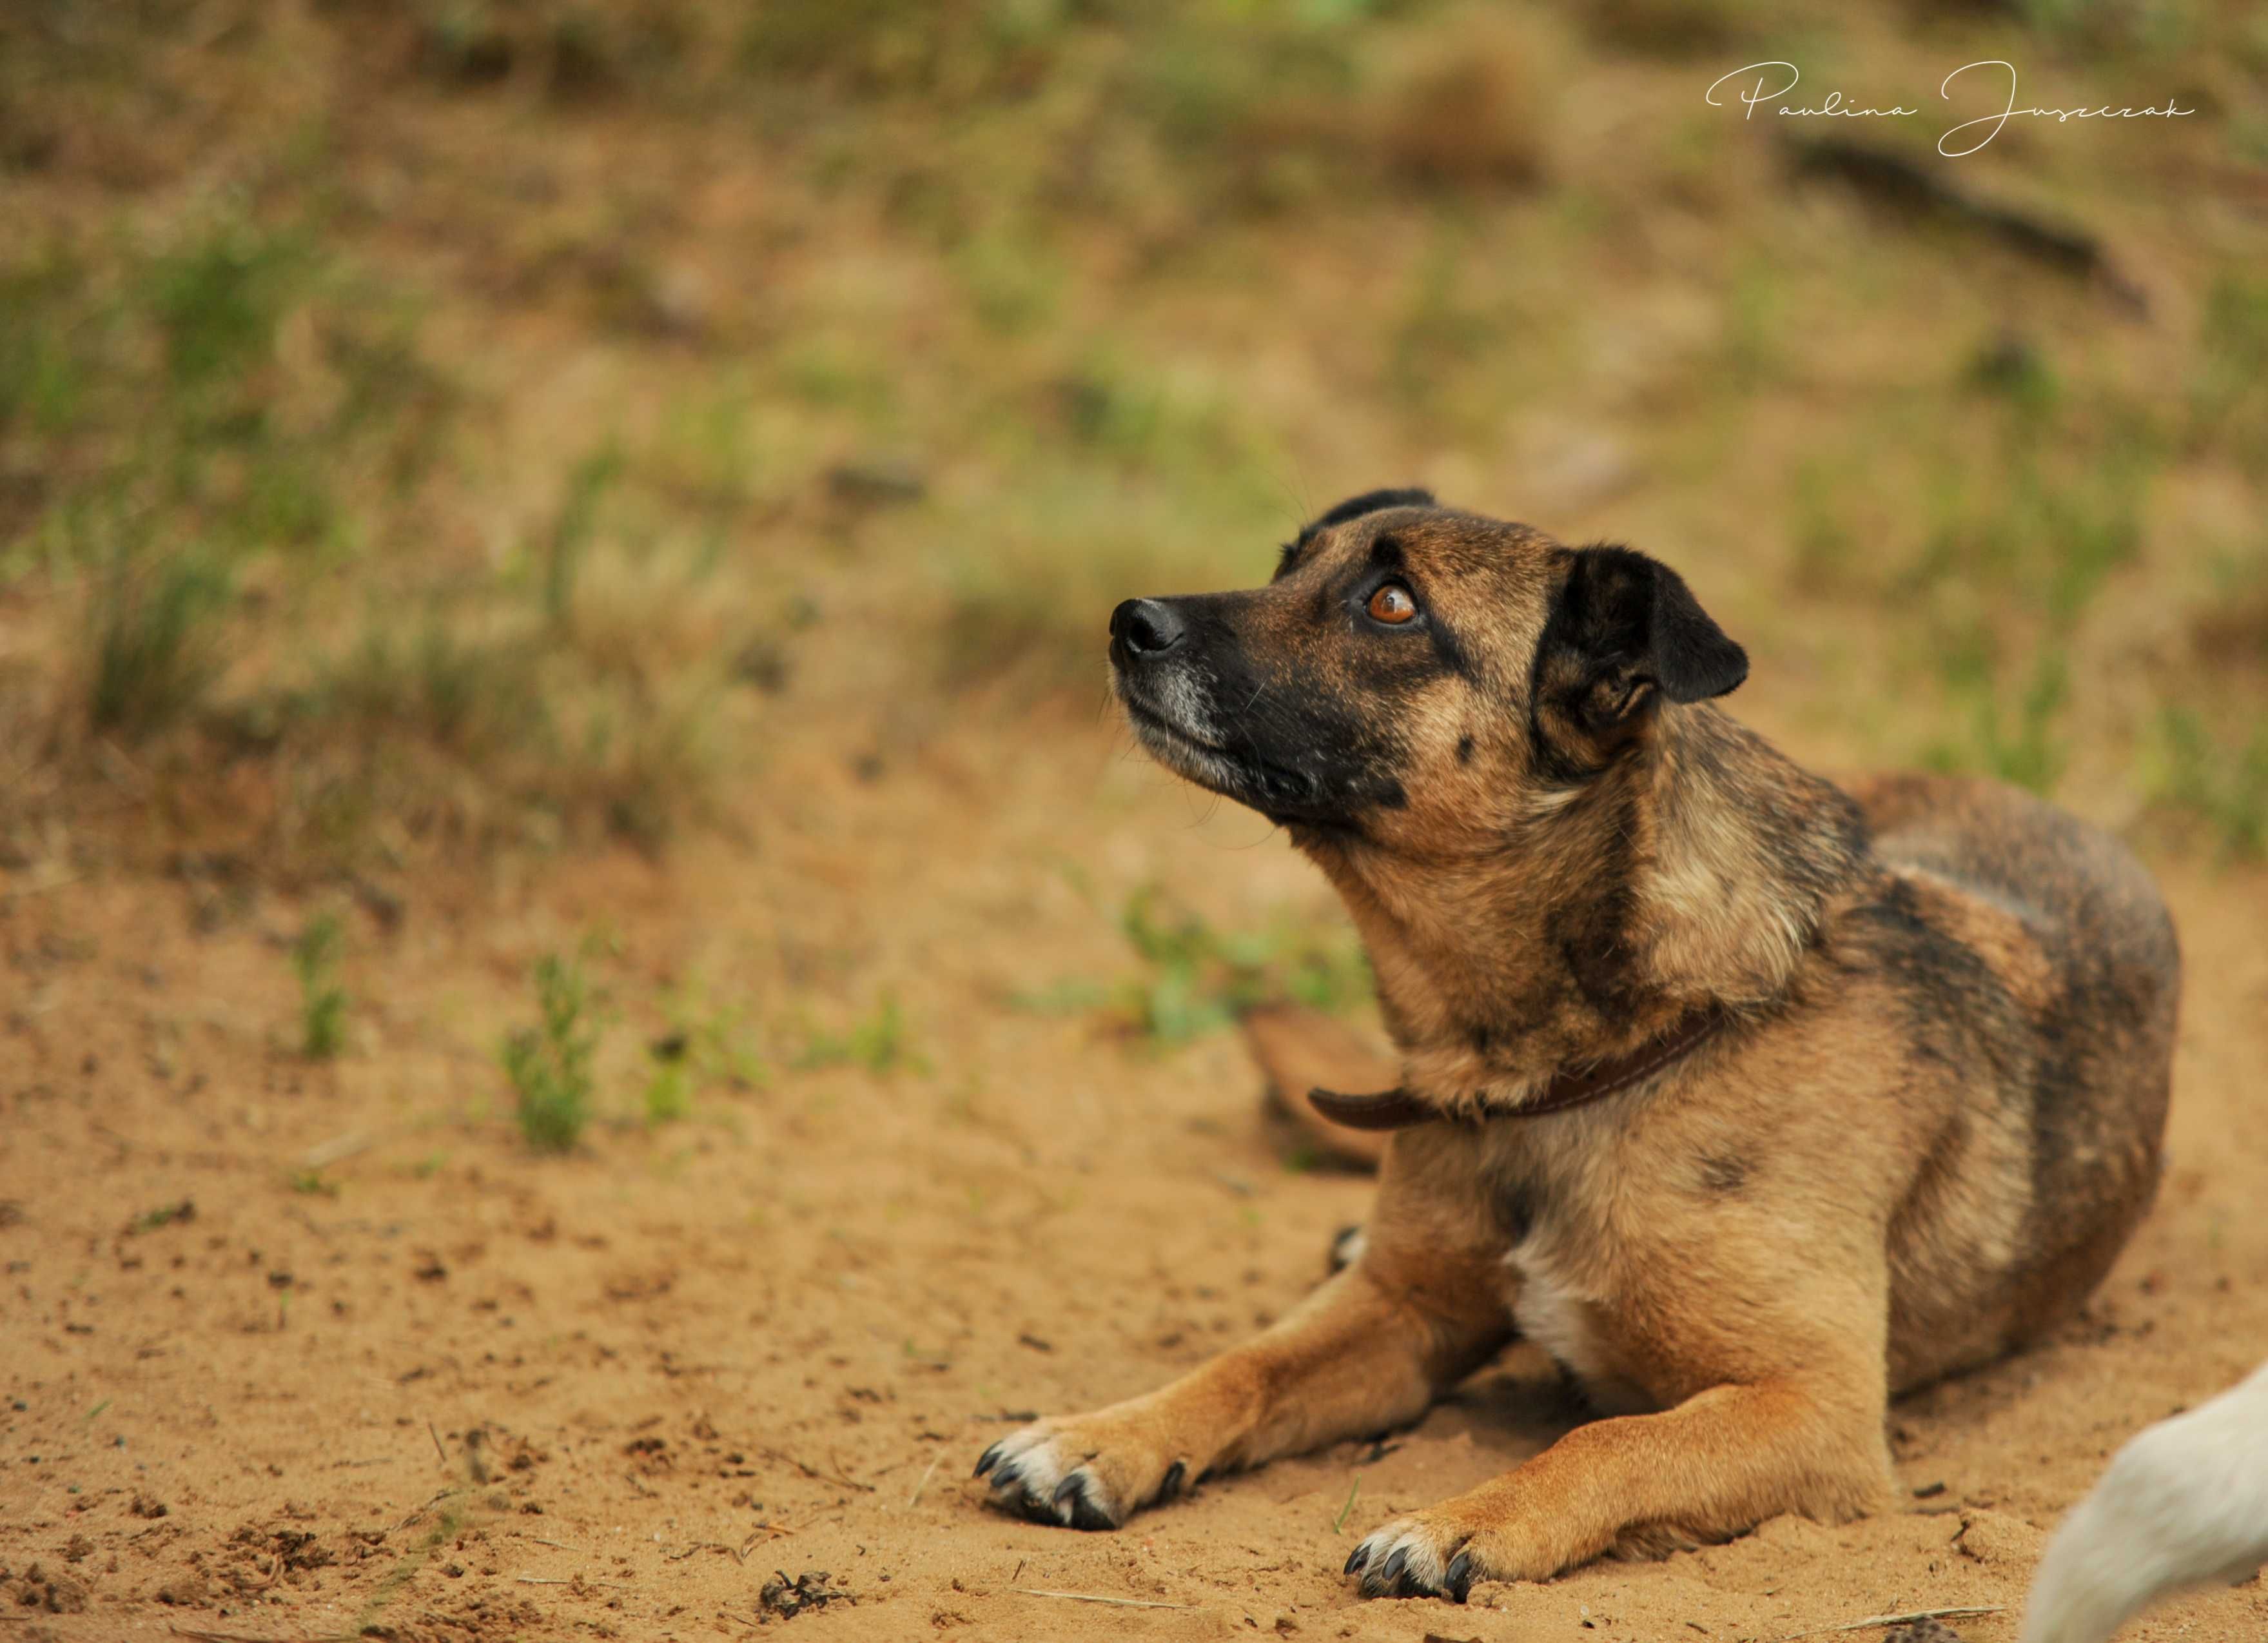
1903	183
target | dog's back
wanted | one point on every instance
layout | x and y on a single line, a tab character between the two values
2070	1013
2185	1503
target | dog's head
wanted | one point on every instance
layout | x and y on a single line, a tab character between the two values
1415	676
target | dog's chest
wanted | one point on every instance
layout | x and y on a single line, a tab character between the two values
1558	1214
1555	1307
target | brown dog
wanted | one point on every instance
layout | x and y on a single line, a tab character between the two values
1751	1099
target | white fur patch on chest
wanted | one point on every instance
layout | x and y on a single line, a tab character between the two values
1552	1311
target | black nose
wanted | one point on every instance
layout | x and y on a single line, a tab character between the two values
1147	627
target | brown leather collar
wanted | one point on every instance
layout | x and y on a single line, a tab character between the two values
1398	1110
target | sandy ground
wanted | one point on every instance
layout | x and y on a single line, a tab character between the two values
477	1394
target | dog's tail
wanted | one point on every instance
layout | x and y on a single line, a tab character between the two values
2183	1504
1299	1048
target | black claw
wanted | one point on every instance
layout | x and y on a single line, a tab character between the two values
1170	1488
1461	1576
989	1459
1085	1513
1356	1558
1008	1477
1380	1581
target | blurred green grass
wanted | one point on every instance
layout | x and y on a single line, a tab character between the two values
458	471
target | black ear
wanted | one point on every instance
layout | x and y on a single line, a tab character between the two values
1622	628
1693	658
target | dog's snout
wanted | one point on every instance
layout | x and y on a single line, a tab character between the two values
1147	627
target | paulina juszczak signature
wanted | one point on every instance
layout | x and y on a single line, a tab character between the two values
1775	81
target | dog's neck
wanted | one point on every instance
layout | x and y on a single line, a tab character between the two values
1696	870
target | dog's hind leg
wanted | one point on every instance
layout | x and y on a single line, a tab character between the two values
1300	1049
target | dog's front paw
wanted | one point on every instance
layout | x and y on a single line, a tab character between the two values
1441	1552
1411	1557
1087	1471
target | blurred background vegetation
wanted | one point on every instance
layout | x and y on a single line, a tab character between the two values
434	428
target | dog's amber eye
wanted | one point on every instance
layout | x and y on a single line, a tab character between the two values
1392	605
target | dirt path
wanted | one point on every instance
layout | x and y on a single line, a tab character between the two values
432	1385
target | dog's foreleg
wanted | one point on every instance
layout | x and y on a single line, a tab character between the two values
2183	1504
1363	1353
1720	1463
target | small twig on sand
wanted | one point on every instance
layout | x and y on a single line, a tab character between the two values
633	1480
811	1472
1889	1620
912	1499
437	1449
572	1580
236	1637
422	1511
44	885
1090	1597
333	1151
562	1544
